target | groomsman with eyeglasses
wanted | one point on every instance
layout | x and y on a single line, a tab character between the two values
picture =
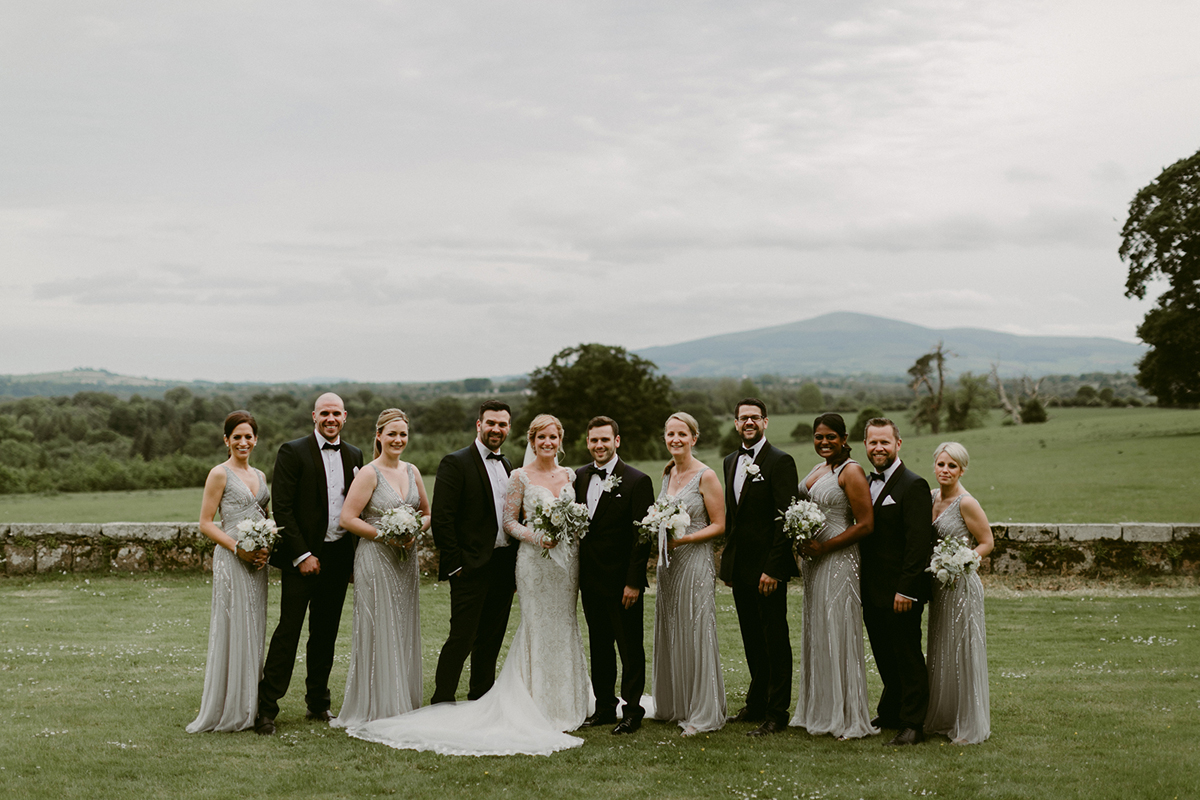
760	483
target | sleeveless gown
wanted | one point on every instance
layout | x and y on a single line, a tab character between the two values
958	679
543	688
833	673
686	680
238	626
385	648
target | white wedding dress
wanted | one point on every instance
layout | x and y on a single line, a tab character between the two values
543	688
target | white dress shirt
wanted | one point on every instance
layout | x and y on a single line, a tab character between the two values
877	485
739	471
335	486
499	479
596	484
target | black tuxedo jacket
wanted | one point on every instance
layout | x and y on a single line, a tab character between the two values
754	540
896	553
464	512
610	556
301	496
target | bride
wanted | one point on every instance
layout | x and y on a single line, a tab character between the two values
542	690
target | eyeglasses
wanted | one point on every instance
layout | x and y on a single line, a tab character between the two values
754	418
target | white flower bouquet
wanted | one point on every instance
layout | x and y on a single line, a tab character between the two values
952	559
801	520
257	534
399	524
562	520
665	518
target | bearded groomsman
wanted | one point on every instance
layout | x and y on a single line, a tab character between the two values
612	574
475	555
315	556
760	483
894	583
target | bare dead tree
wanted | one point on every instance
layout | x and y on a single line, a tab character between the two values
1013	411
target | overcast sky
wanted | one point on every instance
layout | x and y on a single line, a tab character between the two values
410	191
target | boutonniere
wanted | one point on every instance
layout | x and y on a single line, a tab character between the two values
610	483
753	471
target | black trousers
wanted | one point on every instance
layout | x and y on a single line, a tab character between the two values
321	596
615	630
764	627
480	602
896	644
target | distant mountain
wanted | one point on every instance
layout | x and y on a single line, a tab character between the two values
845	343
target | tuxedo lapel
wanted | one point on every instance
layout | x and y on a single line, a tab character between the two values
730	498
314	452
891	484
606	497
484	478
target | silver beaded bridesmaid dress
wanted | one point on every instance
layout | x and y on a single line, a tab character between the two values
384	678
833	673
958	677
686	679
238	626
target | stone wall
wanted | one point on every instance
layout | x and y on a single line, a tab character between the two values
1033	548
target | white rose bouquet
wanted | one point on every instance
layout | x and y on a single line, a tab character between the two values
801	520
257	534
562	520
665	518
952	559
399	524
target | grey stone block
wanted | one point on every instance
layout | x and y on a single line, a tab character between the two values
141	531
19	559
1185	530
999	530
90	558
59	530
1032	532
190	532
1088	533
130	558
53	558
1008	563
1147	532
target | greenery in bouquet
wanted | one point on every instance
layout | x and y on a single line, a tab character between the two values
257	534
952	559
562	520
801	520
665	518
399	525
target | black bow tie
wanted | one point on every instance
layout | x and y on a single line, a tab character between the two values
495	456
601	471
878	476
331	446
746	451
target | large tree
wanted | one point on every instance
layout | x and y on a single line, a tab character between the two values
927	408
1161	240
594	379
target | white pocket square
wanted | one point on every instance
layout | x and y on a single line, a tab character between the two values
888	501
355	471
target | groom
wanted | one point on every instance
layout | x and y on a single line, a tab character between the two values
612	574
760	483
476	556
894	583
316	557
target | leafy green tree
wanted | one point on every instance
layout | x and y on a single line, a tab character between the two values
803	432
809	398
589	380
858	430
967	407
1161	240
927	408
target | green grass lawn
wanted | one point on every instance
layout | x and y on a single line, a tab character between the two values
1084	465
1094	695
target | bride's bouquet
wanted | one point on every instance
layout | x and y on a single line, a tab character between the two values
952	559
801	520
399	524
665	518
562	520
257	534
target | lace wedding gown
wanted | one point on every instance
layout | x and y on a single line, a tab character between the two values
542	689
238	626
958	677
686	678
833	673
385	648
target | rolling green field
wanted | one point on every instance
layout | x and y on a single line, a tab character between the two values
1093	695
1084	465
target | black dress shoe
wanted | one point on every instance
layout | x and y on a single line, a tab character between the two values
906	736
766	729
596	720
746	715
627	725
880	722
318	716
264	726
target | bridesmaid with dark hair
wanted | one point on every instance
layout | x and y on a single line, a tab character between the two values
384	679
833	673
238	625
